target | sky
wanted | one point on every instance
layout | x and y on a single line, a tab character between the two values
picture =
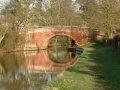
2	3
73	0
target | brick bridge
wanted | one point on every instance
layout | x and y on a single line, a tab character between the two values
40	37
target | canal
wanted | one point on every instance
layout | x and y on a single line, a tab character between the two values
33	70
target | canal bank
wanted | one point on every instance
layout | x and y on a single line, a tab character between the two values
98	68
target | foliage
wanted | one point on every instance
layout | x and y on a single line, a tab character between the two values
101	14
14	16
60	40
58	13
97	14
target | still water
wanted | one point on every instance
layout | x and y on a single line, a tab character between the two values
32	70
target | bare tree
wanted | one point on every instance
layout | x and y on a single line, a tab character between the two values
101	14
15	16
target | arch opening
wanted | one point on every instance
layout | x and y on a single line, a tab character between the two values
61	40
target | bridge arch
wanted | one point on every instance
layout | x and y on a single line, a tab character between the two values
40	37
61	34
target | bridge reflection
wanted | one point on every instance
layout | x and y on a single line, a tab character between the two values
51	60
32	70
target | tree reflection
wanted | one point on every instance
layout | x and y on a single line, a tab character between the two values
60	54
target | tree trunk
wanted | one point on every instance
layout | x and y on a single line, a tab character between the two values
106	41
56	40
2	37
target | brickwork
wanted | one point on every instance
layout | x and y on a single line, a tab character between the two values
39	37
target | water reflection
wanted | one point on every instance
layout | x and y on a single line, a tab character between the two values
32	70
60	55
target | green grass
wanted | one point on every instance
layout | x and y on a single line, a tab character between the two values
98	68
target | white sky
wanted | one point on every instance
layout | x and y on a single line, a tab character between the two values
44	1
2	3
74	0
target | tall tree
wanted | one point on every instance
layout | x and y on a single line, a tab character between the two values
15	15
101	14
61	12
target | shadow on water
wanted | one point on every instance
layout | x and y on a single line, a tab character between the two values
32	70
103	64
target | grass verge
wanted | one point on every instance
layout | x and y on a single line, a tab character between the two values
98	68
